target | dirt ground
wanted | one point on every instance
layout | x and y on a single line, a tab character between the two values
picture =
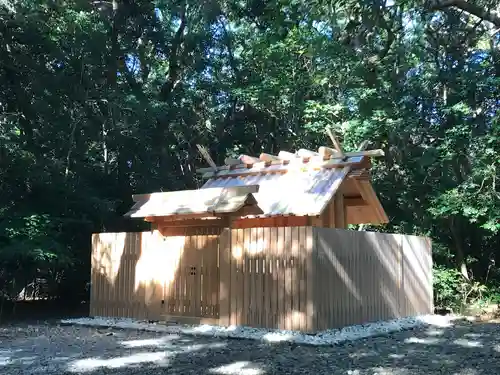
44	347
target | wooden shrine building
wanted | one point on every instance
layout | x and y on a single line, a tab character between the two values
264	243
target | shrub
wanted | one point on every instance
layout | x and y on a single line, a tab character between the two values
453	291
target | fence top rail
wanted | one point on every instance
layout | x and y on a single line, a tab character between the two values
318	229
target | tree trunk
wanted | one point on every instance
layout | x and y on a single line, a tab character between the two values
469	7
461	260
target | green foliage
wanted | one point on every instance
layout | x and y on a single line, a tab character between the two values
452	290
97	104
28	246
25	237
446	287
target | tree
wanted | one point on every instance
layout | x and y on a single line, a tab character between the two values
105	99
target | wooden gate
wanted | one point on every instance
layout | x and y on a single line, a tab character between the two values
153	275
194	290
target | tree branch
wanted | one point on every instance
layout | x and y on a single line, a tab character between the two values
476	10
229	46
173	58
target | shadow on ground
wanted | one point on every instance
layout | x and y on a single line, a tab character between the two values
466	348
40	310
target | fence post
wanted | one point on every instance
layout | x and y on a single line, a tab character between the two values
401	292
225	277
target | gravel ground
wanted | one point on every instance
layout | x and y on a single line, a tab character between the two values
466	349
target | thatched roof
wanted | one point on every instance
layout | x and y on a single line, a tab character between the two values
298	184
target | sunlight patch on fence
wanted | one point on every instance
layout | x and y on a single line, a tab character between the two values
159	262
107	254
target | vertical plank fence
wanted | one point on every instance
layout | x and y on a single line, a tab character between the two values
294	278
151	276
368	276
267	274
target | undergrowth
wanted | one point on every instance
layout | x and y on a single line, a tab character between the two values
454	292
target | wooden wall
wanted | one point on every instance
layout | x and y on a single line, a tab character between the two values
367	276
298	278
150	276
334	215
267	278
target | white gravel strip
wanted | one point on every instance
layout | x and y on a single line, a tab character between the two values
328	337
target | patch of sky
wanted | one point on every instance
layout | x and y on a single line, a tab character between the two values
415	71
323	28
158	14
133	63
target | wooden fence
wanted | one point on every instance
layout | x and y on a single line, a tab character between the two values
268	278
150	276
369	276
301	278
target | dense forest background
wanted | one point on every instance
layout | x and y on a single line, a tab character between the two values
103	99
